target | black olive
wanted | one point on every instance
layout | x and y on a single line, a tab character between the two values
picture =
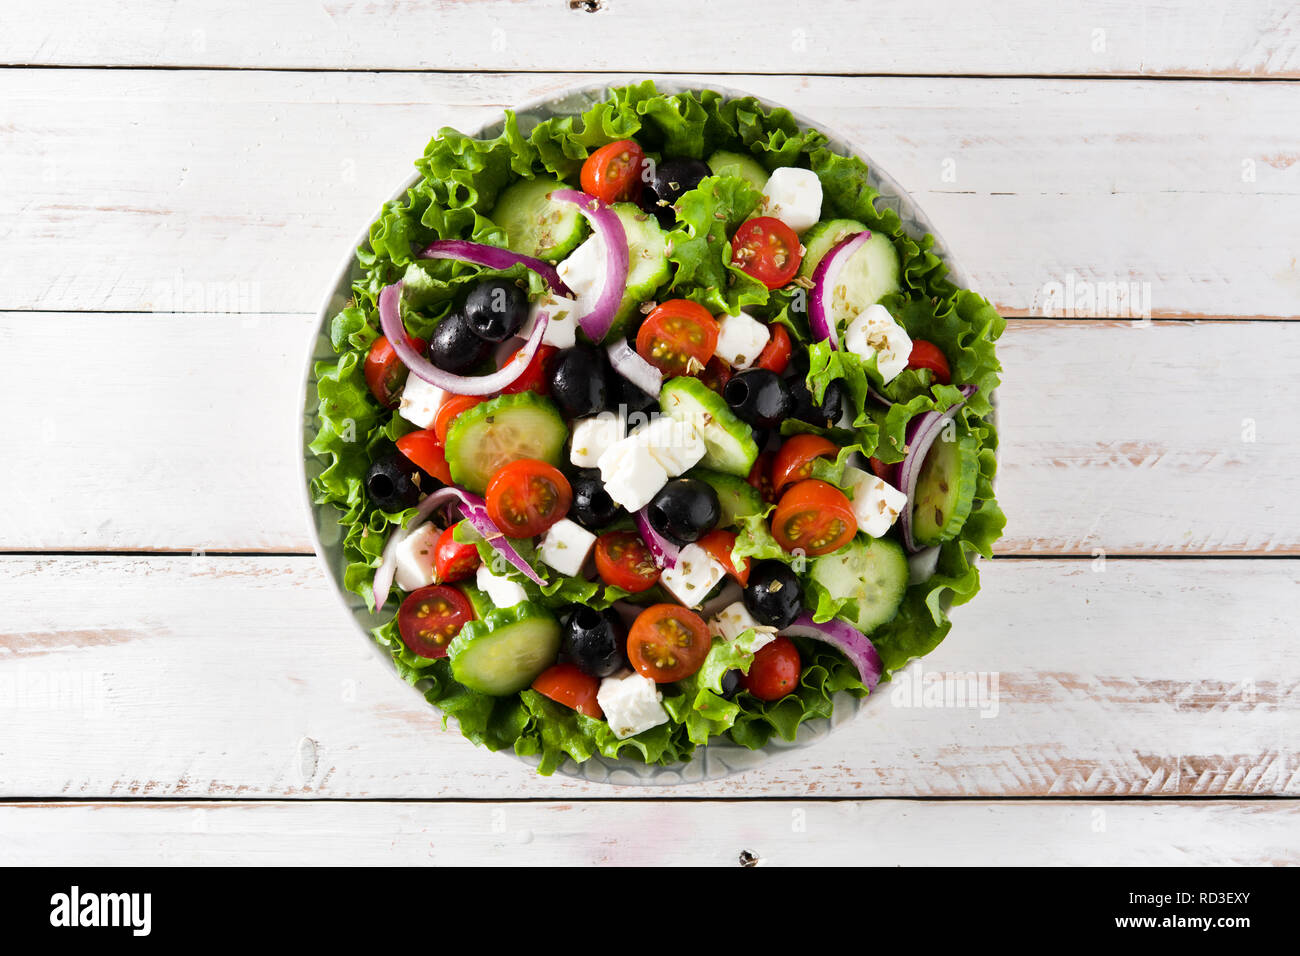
454	347
579	380
592	506
731	683
495	309
684	510
758	396
774	595
594	640
834	400
630	397
806	409
671	178
394	483
798	367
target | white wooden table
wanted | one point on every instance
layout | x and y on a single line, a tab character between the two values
179	180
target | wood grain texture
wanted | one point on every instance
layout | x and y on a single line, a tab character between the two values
1101	37
242	191
777	833
178	432
241	677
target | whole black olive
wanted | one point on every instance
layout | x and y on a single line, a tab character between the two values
579	380
594	640
670	179
394	483
758	396
731	683
592	506
684	510
774	595
454	347
495	309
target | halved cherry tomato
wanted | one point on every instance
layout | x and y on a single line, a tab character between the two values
760	477
775	670
534	377
527	496
716	374
718	543
624	561
928	355
452	406
794	459
385	373
667	642
424	449
566	684
430	617
678	337
768	250
883	471
814	517
776	353
613	172
453	560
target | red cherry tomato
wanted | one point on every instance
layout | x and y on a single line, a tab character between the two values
527	496
768	250
430	617
716	374
566	684
534	377
814	517
718	543
667	642
424	449
678	337
883	471
760	477
928	355
384	371
776	353
775	670
794	459
613	172
452	406
453	560
624	561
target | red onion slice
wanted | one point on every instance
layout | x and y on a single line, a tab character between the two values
493	257
821	318
634	368
605	224
390	320
662	550
847	639
921	434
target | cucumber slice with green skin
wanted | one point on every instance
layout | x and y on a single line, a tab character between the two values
504	652
872	572
822	238
494	433
726	163
728	442
945	489
647	264
737	498
537	226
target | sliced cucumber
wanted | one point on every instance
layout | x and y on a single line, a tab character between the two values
726	163
728	442
504	652
647	263
494	433
821	238
536	226
945	489
737	498
872	572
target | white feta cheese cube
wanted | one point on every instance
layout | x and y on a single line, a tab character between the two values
414	558
500	590
592	437
876	503
732	621
675	444
740	338
420	401
584	273
630	473
562	328
694	576
794	196
565	546
631	704
874	331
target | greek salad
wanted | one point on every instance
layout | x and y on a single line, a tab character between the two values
652	426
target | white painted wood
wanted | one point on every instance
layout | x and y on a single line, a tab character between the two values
1102	37
177	432
216	191
778	833
240	677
